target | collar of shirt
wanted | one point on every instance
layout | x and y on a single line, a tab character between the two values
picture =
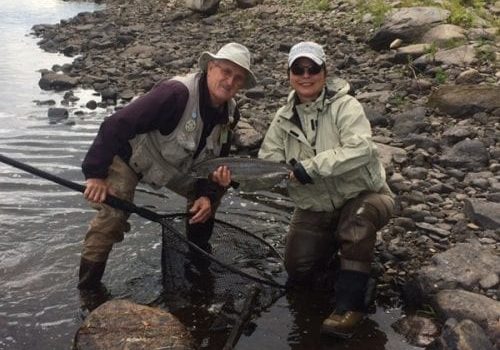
209	114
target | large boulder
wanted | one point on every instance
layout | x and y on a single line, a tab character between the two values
408	24
122	324
465	100
464	305
483	213
462	266
55	81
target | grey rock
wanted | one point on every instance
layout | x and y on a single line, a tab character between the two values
462	305
462	266
58	82
444	34
57	115
431	228
469	154
245	4
489	281
484	213
458	133
407	24
464	335
411	121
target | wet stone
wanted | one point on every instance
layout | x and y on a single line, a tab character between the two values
122	324
419	331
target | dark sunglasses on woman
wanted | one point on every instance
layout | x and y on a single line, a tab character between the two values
298	69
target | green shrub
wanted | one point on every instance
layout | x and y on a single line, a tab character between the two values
440	76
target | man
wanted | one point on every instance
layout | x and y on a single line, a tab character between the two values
155	140
338	184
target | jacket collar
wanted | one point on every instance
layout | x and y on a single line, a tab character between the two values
335	89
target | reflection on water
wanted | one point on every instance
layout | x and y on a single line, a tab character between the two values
43	224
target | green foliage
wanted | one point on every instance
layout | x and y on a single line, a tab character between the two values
431	50
377	8
427	311
452	43
320	5
413	3
486	53
397	100
440	76
459	14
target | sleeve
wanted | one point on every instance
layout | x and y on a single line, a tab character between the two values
207	188
160	109
356	144
273	145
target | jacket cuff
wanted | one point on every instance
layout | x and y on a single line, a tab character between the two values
207	188
301	174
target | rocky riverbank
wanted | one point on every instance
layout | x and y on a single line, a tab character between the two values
431	91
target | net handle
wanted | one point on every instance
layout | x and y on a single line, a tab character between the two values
111	200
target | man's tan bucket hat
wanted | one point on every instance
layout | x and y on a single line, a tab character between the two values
234	52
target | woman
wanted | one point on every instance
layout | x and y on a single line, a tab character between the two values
338	184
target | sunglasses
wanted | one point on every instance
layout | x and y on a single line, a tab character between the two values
313	69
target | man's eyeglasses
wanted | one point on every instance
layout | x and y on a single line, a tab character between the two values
227	72
298	69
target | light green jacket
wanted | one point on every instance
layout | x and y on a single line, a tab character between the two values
331	137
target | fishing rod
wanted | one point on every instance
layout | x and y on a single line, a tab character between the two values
130	207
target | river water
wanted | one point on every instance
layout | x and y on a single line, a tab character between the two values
42	224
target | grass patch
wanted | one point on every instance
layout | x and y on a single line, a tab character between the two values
459	14
319	5
440	76
377	8
431	50
452	43
486	54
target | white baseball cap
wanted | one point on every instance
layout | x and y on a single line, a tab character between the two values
307	49
234	52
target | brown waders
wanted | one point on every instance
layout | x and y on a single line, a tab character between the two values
109	225
313	239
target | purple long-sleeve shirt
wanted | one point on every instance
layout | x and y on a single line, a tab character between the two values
160	109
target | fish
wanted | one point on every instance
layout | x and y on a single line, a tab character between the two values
247	174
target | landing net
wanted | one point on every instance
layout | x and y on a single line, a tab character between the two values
216	285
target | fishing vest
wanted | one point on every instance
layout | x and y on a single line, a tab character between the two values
166	160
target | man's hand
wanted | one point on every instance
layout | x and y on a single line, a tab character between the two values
221	176
96	190
201	210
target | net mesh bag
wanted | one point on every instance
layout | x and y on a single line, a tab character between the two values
210	290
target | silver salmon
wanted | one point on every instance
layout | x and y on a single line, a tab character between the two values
248	174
